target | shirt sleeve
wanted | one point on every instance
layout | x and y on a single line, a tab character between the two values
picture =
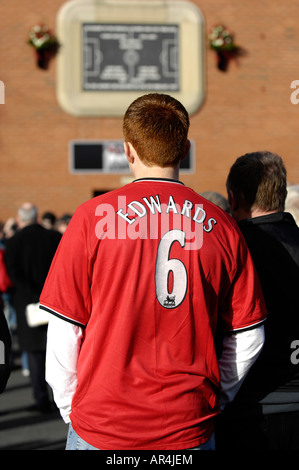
63	347
66	292
240	351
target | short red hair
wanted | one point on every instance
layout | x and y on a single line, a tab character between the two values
157	126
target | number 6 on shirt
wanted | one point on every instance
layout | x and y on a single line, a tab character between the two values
165	266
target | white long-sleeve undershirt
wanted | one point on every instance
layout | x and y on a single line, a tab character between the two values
240	350
63	347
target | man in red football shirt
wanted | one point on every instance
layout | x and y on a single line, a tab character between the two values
145	278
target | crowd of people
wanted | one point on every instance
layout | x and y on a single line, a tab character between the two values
27	245
150	345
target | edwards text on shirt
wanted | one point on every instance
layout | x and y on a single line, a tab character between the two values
149	218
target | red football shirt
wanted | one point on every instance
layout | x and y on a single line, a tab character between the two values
150	271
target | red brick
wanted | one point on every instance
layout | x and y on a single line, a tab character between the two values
247	108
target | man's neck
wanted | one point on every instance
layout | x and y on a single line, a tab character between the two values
157	172
242	214
25	224
260	213
141	170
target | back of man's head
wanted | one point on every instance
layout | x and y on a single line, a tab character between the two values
258	181
157	126
27	214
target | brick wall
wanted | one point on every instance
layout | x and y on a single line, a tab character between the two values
247	108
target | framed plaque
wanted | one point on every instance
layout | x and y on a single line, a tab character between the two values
116	50
122	57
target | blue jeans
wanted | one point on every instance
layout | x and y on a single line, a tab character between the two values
74	442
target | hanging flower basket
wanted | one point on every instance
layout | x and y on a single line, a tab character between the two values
44	43
222	42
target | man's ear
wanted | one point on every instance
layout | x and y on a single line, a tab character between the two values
232	201
129	151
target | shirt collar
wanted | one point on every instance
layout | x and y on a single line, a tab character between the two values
165	180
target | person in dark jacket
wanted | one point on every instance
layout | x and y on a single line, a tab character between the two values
28	257
265	413
5	350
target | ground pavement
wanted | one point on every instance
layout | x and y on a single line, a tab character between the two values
24	429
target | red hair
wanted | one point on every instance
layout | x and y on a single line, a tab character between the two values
157	126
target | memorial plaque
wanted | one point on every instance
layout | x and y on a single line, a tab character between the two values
120	57
113	51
